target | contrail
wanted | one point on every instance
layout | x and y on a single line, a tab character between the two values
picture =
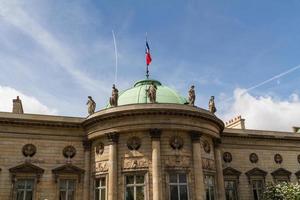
116	54
268	80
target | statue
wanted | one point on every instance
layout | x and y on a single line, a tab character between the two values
114	96
91	105
211	105
192	96
152	93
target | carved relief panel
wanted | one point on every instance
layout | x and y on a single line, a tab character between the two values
178	162
135	163
101	167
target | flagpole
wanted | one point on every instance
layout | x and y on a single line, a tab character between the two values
147	69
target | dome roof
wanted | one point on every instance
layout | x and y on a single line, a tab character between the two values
137	94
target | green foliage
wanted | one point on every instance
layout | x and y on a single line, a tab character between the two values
282	191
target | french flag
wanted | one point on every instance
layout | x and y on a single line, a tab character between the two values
148	56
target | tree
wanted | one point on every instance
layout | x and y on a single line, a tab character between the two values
282	191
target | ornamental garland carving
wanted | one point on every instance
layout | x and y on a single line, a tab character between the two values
99	148
178	162
227	157
135	163
278	158
253	158
102	166
29	150
134	143
208	164
206	146
176	142
69	152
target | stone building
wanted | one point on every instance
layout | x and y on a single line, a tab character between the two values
138	150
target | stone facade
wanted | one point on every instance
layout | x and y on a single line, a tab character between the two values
154	141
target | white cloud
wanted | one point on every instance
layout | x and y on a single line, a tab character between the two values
30	104
265	112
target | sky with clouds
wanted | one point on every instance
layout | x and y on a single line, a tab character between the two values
56	53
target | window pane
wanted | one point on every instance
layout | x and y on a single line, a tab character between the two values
183	193
71	195
139	179
103	194
97	183
97	191
103	182
62	195
20	184
20	195
71	185
62	184
174	192
139	193
173	178
129	180
182	178
29	184
129	193
29	195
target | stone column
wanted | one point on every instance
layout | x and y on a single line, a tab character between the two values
156	164
87	161
219	168
197	166
113	166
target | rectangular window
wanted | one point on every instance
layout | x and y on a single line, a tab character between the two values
178	186
135	187
100	188
231	189
24	189
209	182
66	189
257	188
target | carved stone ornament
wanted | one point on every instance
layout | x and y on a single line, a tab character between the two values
178	162
278	158
206	146
134	143
253	158
298	158
99	148
227	157
102	166
69	151
176	142
208	164
29	150
135	163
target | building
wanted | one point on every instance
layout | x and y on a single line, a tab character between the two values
138	150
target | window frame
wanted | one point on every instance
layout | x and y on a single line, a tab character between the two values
106	186
214	181
67	190
178	185
252	189
137	173
20	178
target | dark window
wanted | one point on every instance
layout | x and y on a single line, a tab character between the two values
100	188
24	189
178	186
67	189
135	187
231	189
209	182
257	188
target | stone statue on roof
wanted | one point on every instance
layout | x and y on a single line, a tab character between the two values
211	105
91	105
192	96
152	93
114	96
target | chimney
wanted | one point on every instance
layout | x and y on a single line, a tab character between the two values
237	123
296	129
17	106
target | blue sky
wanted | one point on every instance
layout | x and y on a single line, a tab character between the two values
57	53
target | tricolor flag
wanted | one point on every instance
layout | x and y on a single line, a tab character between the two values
148	56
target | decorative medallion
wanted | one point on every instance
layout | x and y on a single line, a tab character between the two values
29	150
176	142
69	151
206	146
99	148
134	143
278	158
298	158
227	157
253	158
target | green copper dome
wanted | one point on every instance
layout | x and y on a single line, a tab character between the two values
137	94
